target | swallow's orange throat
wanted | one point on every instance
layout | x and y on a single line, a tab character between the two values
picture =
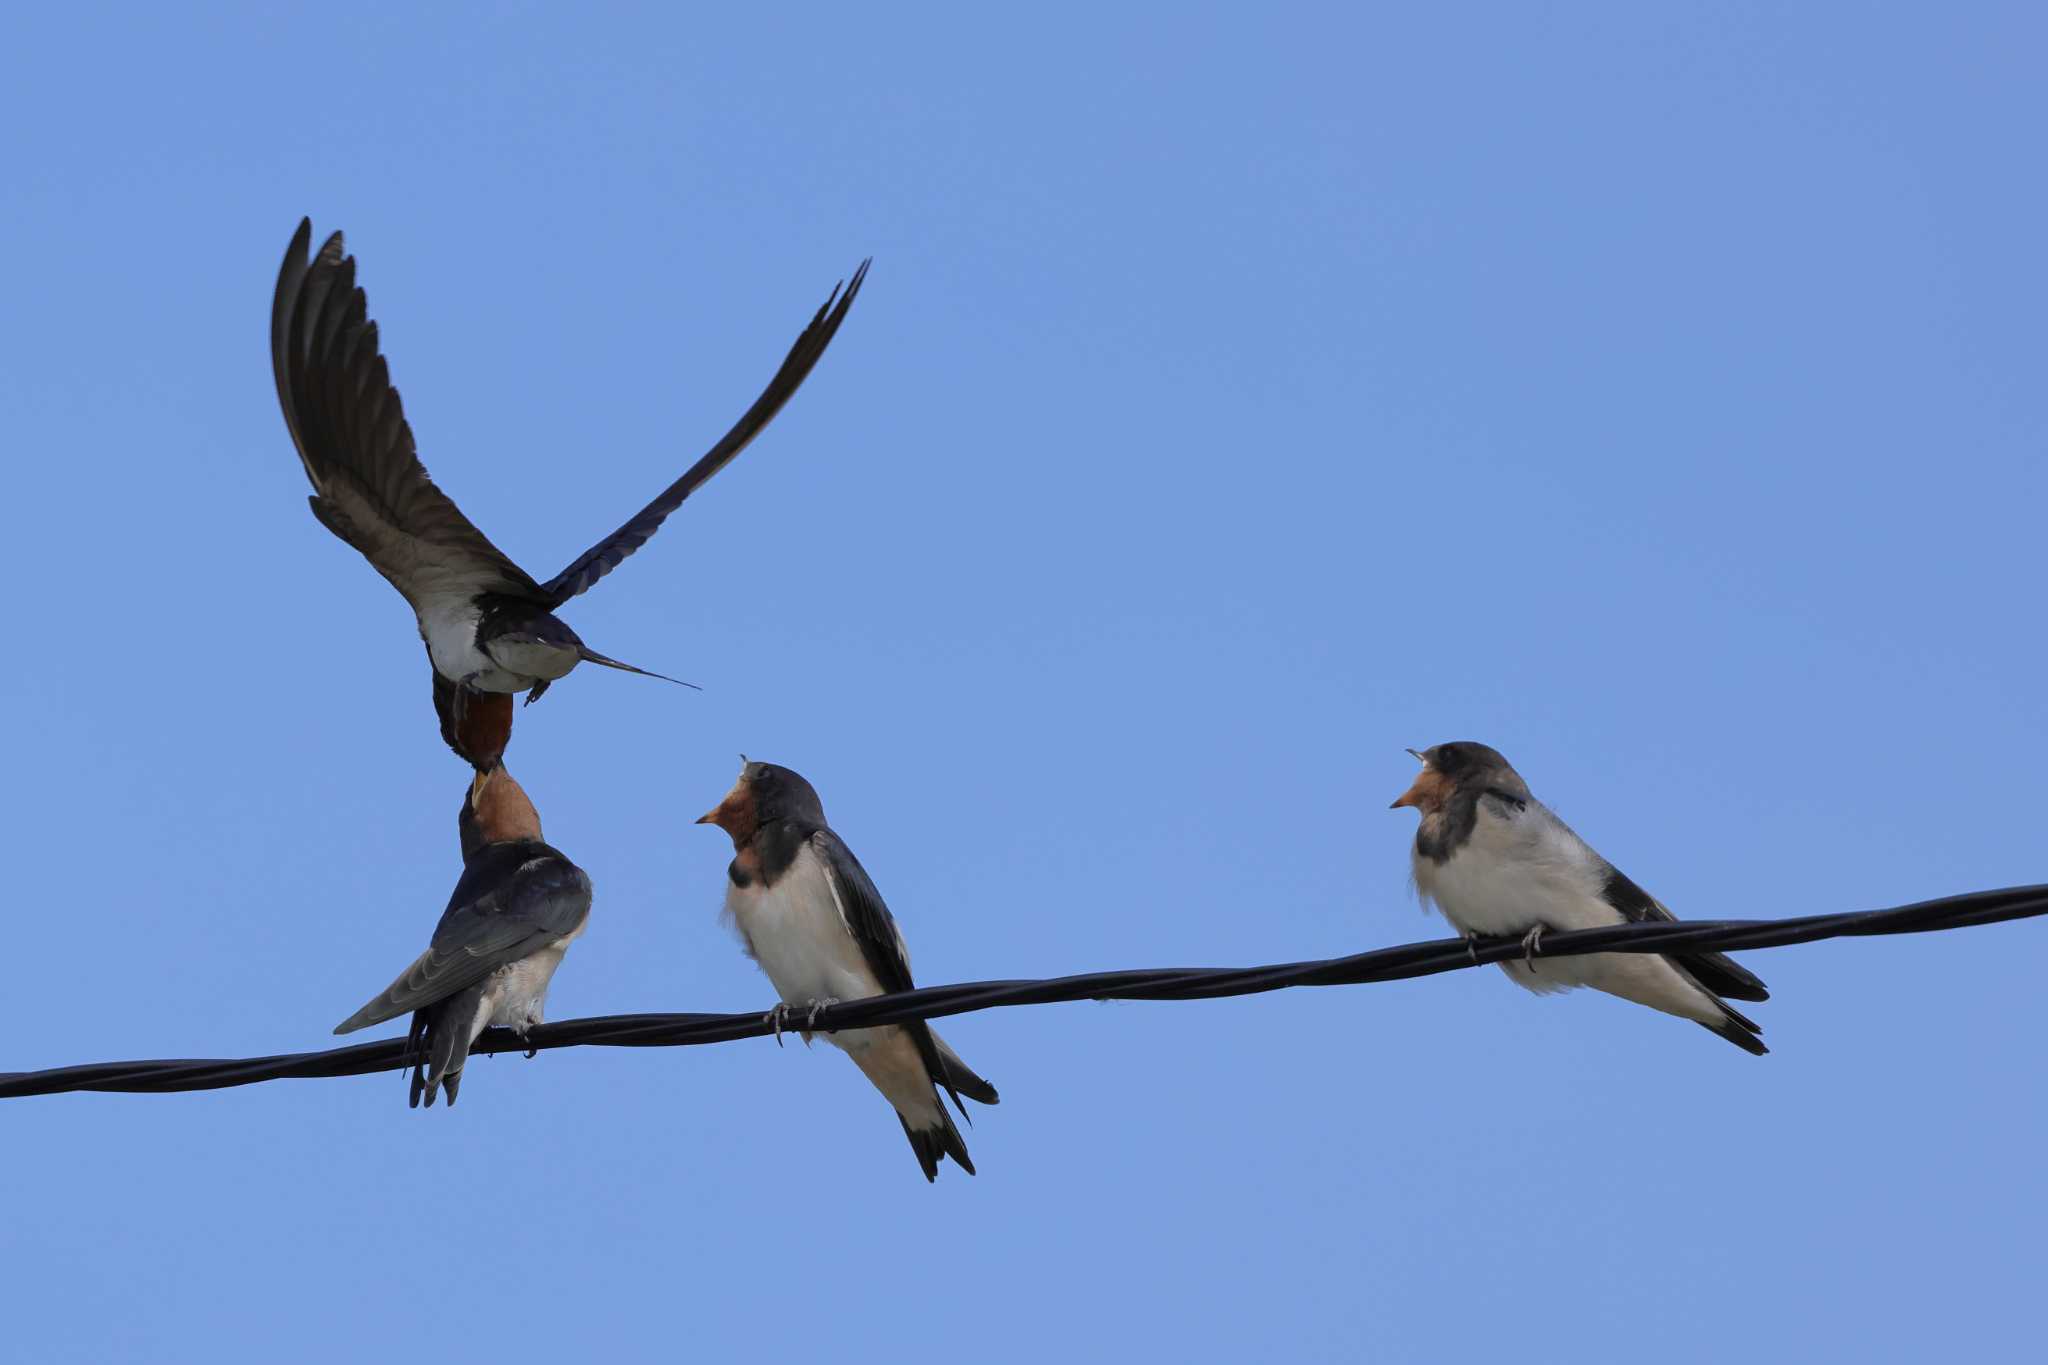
481	727
503	812
1430	790
735	815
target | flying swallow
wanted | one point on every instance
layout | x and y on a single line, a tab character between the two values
1497	862
812	919
516	908
488	626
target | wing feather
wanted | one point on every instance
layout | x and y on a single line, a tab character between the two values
601	558
546	899
349	428
867	918
1717	972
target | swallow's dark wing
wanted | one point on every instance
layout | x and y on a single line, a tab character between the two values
546	898
369	487
868	919
1717	972
601	558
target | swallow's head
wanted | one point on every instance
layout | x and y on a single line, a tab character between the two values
496	811
476	725
765	794
1448	767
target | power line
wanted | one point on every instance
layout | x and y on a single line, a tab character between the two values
934	1002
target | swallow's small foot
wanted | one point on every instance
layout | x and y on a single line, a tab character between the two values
1472	946
778	1020
1532	944
811	1019
533	694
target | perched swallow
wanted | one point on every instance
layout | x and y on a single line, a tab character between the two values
809	915
487	625
516	908
1498	863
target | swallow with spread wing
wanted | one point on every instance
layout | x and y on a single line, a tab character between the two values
488	626
810	916
1497	862
517	907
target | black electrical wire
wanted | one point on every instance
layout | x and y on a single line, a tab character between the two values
933	1002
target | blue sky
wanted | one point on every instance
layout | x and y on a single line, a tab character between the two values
1237	398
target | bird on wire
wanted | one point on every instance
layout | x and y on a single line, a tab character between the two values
811	917
1497	862
516	908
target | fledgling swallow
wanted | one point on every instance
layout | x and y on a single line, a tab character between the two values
809	915
487	625
516	908
1497	862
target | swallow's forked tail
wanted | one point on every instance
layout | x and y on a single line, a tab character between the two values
438	1052
1738	1029
591	656
942	1139
931	1144
1722	1019
959	1080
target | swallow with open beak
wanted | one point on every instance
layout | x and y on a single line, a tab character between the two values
812	919
488	626
1498	863
517	907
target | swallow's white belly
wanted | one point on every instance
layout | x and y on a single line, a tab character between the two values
448	625
794	931
514	996
519	990
1516	872
1514	875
